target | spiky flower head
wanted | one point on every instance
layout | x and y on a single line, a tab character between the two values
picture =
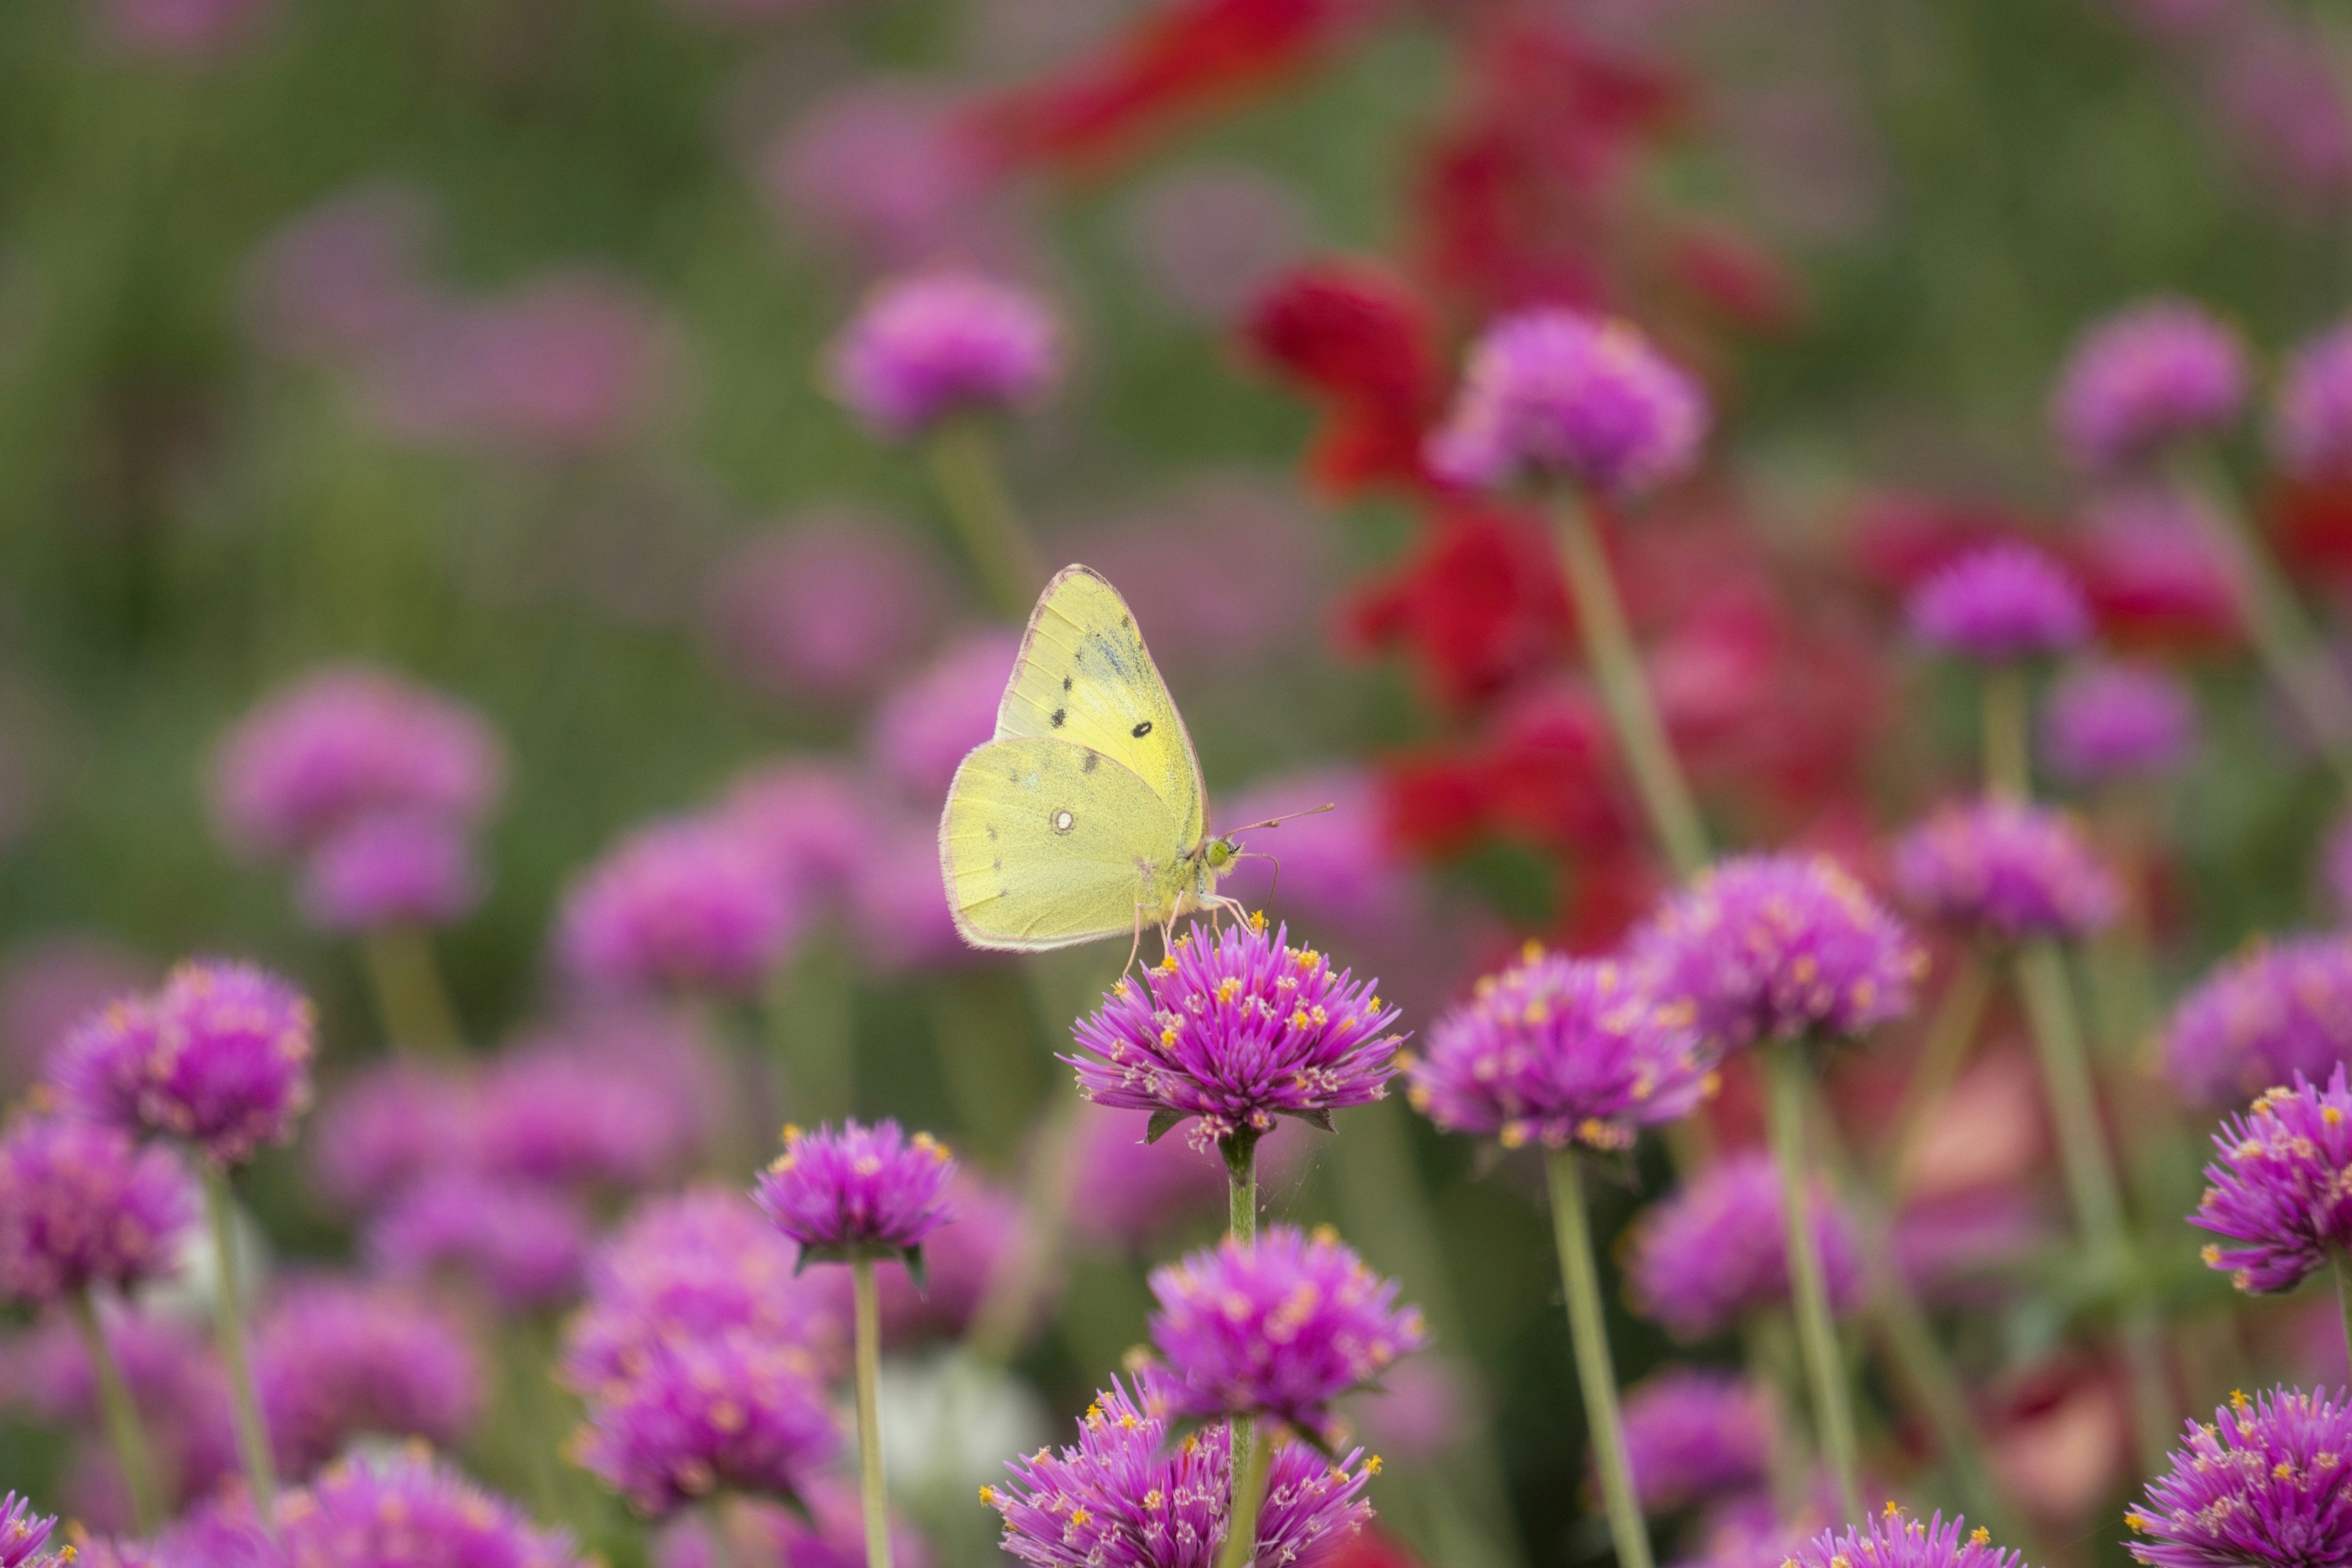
853	1189
2111	722
1559	1050
1715	1250
2265	1483
335	1358
1233	1029
2283	1186
2144	379
2001	603
391	868
25	1536
408	1509
1279	1327
679	905
1777	947
2261	1018
1552	391
2005	870
930	346
82	1206
1691	1434
2312	429
517	1244
1126	1497
1895	1540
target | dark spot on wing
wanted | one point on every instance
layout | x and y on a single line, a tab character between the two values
1060	714
1093	760
1141	730
1127	621
992	833
1065	683
997	865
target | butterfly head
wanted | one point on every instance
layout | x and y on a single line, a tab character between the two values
1219	853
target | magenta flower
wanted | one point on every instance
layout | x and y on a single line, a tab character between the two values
1999	603
333	1358
760	1534
345	741
1280	1327
2113	723
25	1536
388	1127
1559	392
2264	1484
681	905
1559	1051
2312	430
1233	1029
1126	1495
1717	1249
2283	1186
2007	871
520	1246
49	986
1892	1541
884	170
391	868
806	819
853	1190
926	724
2145	378
617	1100
1693	1435
934	346
1777	947
2284	1008
405	1510
827	608
81	1205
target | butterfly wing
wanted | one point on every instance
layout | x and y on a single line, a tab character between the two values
1084	676
1046	844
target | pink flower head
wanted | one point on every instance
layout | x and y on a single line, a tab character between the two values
2262	1484
2145	378
347	739
925	726
1560	392
1777	947
618	1099
932	345
2006	870
386	1128
346	277
882	169
828	1531
25	1536
391	868
807	820
1717	1249
853	1189
2283	1186
2149	560
1693	1435
1892	1541
2001	603
334	1358
2259	1019
1234	1027
520	1246
825	609
404	1511
81	1205
681	905
2111	722
1559	1051
2313	428
47	987
1280	1327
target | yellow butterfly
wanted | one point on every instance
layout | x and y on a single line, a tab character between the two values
1086	816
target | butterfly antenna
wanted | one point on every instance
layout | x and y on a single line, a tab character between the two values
1274	887
1289	816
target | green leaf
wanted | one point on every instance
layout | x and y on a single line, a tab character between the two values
1162	1123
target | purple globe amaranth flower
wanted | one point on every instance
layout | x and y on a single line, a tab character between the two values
2110	722
615	1099
25	1536
1233	1029
727	1409
682	905
2006	870
100	1066
81	1205
1717	1249
926	724
853	1189
884	170
1776	947
405	1510
522	1246
2144	379
2312	427
827	607
1552	391
391	868
1558	1051
762	1534
1893	1540
936	344
388	1127
48	986
2283	1186
1126	1495
2284	1008
807	820
2263	1483
334	1358
347	740
2002	602
1693	1435
1280	1327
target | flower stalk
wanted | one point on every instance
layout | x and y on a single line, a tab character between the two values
873	1495
1787	1092
2007	717
411	1002
120	1412
1595	1375
1249	1452
252	1437
971	488
1950	1033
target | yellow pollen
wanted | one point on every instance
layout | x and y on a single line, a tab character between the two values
988	1496
1893	1509
2238	1401
1257	921
1325	1234
1079	1516
2333	1115
1228	988
1981	1536
2282	1470
1372	1465
1532	951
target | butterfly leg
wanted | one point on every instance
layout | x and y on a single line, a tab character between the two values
1134	947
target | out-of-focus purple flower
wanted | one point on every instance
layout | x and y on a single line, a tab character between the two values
518	1244
762	1534
333	1359
1210	238
897	901
346	277
2002	602
727	1408
1893	1540
1234	1027
1559	1051
2312	429
2110	721
1777	947
1280	1328
347	739
1958	1249
2262	1483
682	905
2259	1019
827	609
1421	1410
2276	94
618	1099
403	1510
388	1127
959	1262
843	1190
1560	392
932	345
25	1536
100	1068
1134	1189
1717	1249
177	1387
2144	378
81	1205
391	868
883	170
1128	1497
1340	867
191	31
1749	1532
2149	556
2006	870
807	820
50	984
923	727
1693	1435
2282	1188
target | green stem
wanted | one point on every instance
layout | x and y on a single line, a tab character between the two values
2006	717
1632	713
2343	1294
1013	1289
1784	1065
1950	1033
714	1522
964	465
872	1493
1249	1447
809	1028
1768	1347
121	1413
410	1001
1588	1333
252	1437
